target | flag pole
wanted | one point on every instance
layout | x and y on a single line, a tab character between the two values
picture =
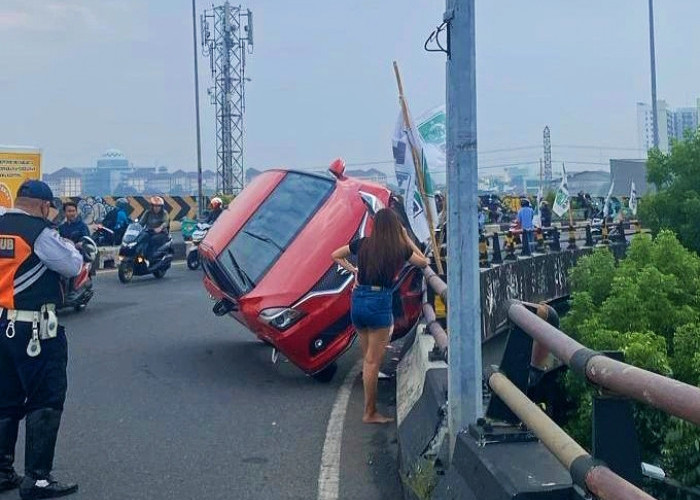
571	212
418	166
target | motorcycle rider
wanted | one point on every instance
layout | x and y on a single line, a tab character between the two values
117	219
33	347
216	206
73	228
156	220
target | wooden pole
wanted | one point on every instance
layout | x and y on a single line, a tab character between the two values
418	165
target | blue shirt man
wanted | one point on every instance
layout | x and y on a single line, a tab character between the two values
72	228
525	215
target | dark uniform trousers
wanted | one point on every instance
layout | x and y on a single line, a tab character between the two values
35	388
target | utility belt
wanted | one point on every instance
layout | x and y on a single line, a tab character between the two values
44	325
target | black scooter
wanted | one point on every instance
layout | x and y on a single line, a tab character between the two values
133	254
78	291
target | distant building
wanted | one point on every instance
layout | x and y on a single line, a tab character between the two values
593	182
372	175
673	124
64	182
624	172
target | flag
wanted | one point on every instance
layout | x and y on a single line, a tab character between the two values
606	206
403	141
633	199
432	127
562	199
537	218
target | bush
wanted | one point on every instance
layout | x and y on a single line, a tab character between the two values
648	307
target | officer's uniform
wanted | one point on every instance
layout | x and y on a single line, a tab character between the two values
33	348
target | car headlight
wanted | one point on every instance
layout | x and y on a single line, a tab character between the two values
281	318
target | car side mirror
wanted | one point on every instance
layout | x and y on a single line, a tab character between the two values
337	168
223	307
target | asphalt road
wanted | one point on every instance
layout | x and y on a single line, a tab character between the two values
167	401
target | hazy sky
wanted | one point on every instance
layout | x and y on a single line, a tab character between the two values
80	76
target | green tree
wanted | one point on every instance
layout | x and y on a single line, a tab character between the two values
676	205
648	307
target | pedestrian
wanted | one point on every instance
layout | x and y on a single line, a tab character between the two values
525	217
545	214
73	228
33	347
379	259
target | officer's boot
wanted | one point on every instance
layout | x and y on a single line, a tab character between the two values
9	480
42	431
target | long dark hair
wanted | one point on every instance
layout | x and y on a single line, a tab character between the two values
384	252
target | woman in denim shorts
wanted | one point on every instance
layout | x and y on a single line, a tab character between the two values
379	259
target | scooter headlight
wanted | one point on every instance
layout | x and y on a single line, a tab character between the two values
281	318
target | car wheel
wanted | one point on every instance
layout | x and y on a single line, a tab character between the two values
327	374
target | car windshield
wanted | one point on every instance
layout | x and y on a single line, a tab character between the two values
272	228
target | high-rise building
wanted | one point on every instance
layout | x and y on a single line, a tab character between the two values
673	124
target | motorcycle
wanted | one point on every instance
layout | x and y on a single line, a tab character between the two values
133	254
198	235
79	289
103	236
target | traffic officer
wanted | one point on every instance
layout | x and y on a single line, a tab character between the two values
33	348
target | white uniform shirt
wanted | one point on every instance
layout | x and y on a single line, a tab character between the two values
57	254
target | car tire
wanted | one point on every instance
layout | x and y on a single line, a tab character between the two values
326	375
193	260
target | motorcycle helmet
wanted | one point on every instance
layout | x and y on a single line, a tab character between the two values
88	248
122	203
157	201
216	202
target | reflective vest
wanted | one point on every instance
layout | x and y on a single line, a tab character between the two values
25	282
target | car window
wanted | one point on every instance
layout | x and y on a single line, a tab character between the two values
273	227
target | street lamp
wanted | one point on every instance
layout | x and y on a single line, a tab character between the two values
652	50
200	197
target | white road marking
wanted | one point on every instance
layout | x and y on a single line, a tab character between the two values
329	474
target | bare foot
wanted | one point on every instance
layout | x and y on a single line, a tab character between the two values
376	418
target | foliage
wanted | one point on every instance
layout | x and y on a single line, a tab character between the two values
676	205
648	307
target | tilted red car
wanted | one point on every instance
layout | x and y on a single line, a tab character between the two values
267	263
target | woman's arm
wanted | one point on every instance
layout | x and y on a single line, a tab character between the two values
340	256
417	257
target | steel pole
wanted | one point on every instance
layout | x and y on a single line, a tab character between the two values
200	195
464	316
652	55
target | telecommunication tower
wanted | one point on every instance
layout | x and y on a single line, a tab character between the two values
226	48
547	156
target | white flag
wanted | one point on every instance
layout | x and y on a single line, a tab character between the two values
404	138
562	199
432	127
537	218
606	206
633	199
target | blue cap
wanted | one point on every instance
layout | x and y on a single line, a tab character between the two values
35	189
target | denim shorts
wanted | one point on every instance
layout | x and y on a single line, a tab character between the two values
371	307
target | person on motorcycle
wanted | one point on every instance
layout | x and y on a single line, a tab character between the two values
156	220
216	206
117	219
72	228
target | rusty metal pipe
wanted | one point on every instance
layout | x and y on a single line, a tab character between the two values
436	283
586	472
435	328
671	396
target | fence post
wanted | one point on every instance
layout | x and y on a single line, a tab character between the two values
555	245
572	237
589	236
496	257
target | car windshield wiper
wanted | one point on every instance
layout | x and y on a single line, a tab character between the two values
266	239
241	273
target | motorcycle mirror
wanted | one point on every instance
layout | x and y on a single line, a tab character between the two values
223	307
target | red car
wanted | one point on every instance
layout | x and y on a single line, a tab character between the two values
267	263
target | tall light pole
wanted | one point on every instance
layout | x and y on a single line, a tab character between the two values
200	195
464	303
652	50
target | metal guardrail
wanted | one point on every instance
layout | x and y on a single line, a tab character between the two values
585	471
669	395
